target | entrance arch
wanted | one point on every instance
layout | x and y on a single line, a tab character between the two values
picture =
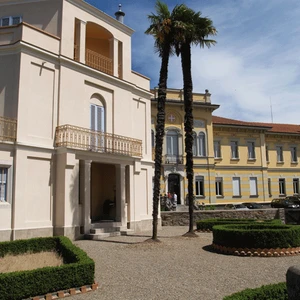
174	185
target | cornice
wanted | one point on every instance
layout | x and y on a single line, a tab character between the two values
101	15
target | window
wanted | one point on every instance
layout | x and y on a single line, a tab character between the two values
217	149
202	148
251	150
234	149
3	184
172	146
296	185
267	153
152	139
195	144
236	187
269	187
281	186
253	186
199	185
279	152
9	21
219	186
294	154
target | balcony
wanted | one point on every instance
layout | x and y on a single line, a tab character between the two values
97	141
8	129
173	159
96	60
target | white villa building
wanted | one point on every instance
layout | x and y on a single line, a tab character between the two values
75	125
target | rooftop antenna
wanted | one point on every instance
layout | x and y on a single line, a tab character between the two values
271	110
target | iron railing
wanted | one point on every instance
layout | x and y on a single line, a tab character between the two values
86	139
8	129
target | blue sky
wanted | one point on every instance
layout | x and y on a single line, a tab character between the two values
255	62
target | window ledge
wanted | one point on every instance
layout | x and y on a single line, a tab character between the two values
251	159
253	196
218	158
294	162
237	196
219	196
235	159
4	205
280	162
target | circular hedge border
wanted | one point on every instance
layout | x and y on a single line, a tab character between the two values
207	224
257	239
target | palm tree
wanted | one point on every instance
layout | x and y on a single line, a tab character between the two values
191	29
160	28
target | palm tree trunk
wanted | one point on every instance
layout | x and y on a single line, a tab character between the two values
188	127
159	137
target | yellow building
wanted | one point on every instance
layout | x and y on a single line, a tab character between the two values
234	161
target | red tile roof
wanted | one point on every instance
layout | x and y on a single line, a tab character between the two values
270	127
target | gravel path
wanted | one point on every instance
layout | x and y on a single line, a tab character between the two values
176	268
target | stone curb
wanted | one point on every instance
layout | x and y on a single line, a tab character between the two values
67	293
278	252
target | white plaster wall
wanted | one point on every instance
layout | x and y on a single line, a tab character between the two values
37	101
45	15
33	189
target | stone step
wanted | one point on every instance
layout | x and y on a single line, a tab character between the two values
102	236
104	230
106	224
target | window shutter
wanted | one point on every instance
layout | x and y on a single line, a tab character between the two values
253	186
93	117
236	186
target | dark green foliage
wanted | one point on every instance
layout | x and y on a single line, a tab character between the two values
78	269
209	223
266	292
257	235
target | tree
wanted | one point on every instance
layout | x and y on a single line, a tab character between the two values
191	29
160	28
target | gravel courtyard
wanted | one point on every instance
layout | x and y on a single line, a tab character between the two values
176	268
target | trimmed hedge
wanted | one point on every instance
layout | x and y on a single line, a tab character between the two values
209	223
78	269
266	292
257	235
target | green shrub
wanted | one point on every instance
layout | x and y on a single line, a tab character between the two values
209	223
78	269
266	292
257	235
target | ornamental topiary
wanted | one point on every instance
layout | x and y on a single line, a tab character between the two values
257	235
208	224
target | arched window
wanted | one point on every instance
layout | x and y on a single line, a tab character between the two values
172	146
97	125
202	144
195	152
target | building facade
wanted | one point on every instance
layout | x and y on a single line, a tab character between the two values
70	157
234	161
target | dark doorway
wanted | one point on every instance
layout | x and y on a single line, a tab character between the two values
174	185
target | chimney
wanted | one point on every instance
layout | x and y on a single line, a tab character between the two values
207	96
120	15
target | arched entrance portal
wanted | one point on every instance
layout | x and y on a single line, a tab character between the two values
174	185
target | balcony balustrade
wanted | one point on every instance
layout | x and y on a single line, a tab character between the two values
173	159
8	129
98	61
86	139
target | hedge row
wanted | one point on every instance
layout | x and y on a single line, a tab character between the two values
78	269
266	292
257	235
209	223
